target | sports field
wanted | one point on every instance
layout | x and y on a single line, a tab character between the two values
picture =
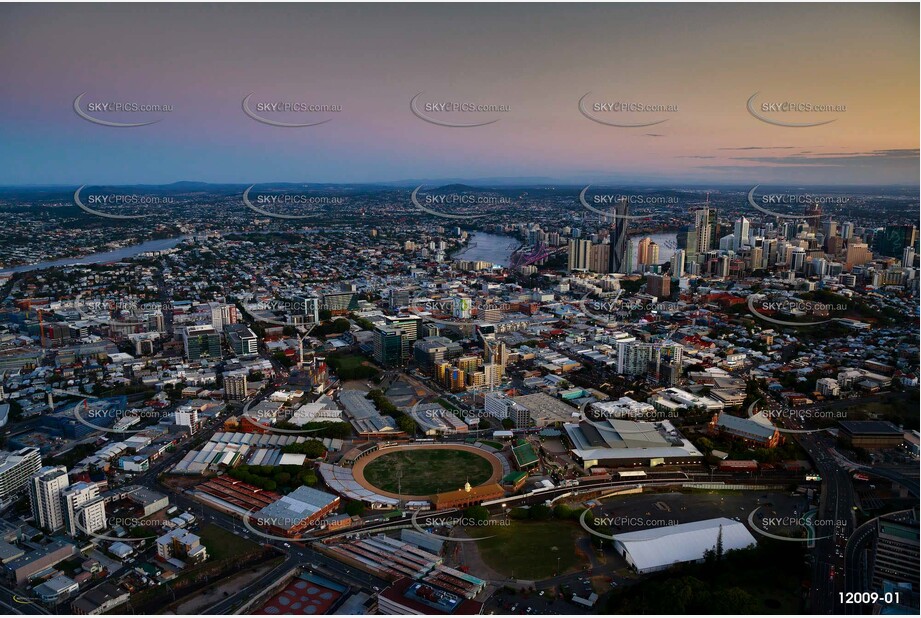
529	550
427	471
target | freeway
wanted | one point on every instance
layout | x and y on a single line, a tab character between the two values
835	520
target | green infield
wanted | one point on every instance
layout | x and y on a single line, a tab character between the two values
423	472
529	549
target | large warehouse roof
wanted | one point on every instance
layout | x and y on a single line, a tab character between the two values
612	440
658	548
301	504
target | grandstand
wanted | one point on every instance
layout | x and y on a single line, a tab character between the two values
341	481
468	496
525	457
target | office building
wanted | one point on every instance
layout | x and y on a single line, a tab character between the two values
409	326
658	285
857	255
896	553
45	490
580	252
633	357
187	416
677	262
242	340
619	234
894	239
703	230
340	303
388	345
16	469
84	509
741	233
201	341
236	385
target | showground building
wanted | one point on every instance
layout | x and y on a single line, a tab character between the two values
657	549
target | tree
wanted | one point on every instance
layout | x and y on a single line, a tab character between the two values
354	508
479	515
719	544
407	424
561	511
310	448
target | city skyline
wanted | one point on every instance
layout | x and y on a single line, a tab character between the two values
460	309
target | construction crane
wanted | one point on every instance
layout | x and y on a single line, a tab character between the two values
41	322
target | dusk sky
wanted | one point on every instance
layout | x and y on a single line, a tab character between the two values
538	60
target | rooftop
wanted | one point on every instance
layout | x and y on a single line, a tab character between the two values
658	547
301	504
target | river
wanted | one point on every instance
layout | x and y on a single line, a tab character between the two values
492	248
100	258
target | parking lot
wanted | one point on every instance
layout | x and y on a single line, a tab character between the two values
638	512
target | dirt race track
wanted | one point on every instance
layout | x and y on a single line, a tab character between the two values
361	464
